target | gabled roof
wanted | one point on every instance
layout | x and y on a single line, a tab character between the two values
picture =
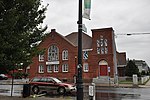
65	38
53	31
103	29
73	39
86	40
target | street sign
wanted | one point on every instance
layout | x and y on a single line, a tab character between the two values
108	69
91	90
85	55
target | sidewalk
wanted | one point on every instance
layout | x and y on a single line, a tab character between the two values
111	85
31	98
146	85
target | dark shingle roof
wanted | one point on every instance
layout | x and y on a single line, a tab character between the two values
86	40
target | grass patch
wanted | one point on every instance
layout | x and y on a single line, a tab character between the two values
125	82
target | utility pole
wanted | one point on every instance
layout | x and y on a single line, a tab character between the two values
12	84
79	67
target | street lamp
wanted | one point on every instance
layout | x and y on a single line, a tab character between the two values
79	67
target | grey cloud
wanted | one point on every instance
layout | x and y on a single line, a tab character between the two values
125	16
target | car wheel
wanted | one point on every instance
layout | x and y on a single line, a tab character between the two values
35	89
61	90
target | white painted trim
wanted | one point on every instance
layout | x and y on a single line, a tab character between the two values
52	63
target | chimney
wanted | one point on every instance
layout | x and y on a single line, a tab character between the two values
53	30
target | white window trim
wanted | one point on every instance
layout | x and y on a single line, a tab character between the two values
40	57
102	46
64	68
65	55
105	42
41	69
86	69
55	68
48	67
106	50
53	56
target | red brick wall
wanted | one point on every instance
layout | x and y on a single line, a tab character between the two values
93	60
96	58
56	39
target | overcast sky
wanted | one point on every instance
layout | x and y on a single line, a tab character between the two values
124	16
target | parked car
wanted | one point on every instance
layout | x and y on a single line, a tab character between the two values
3	77
46	84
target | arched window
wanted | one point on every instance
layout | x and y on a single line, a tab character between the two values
65	55
53	53
102	46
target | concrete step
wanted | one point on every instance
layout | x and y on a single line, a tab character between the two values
103	80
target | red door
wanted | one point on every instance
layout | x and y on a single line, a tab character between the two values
103	70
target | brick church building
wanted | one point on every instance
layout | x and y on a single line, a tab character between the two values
60	56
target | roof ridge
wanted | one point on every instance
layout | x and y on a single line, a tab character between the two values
65	38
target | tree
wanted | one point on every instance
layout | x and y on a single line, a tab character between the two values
143	73
131	69
20	32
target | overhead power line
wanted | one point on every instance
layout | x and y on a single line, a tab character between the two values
128	34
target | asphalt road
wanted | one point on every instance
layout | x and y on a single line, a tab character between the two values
102	93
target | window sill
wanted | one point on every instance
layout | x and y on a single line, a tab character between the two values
41	72
65	71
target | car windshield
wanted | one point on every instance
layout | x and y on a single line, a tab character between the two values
36	79
2	75
57	80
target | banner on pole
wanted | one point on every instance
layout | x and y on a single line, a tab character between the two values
87	8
